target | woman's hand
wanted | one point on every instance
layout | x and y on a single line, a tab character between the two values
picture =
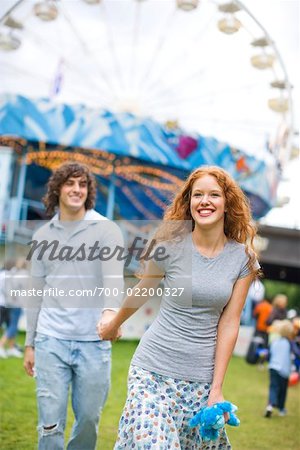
107	329
216	396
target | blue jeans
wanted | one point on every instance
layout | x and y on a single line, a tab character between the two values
85	366
277	389
14	316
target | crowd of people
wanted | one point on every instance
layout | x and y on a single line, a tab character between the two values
276	341
206	254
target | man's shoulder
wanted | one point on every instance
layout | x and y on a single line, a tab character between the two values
107	228
93	215
43	231
101	220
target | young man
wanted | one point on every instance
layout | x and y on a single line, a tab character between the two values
62	345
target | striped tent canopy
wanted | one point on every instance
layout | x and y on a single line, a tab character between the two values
148	159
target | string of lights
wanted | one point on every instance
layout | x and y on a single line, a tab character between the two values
17	144
51	160
132	173
137	204
101	162
155	199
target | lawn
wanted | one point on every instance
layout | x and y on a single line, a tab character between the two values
245	385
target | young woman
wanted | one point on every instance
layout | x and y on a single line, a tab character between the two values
181	361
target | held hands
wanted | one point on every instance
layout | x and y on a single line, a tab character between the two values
107	329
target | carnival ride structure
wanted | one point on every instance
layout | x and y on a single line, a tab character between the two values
144	92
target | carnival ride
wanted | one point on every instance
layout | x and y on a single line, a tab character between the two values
143	91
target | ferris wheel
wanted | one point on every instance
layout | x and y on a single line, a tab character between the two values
207	66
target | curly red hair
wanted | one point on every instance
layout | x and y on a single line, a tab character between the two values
238	222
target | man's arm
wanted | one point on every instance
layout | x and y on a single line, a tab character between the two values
112	275
32	312
113	269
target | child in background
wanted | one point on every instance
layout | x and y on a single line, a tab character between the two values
279	366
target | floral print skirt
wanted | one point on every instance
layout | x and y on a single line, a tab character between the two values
157	412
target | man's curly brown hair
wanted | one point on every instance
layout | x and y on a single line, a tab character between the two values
60	176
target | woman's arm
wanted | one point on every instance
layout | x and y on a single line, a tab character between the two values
32	312
227	334
151	279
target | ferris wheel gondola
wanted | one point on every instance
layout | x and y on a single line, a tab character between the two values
207	71
171	60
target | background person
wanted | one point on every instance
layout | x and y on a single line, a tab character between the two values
255	295
4	311
261	313
14	279
279	311
181	361
62	344
280	365
295	343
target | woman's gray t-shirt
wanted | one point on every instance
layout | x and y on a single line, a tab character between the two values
181	341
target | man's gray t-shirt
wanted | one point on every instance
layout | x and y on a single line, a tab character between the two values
181	341
83	280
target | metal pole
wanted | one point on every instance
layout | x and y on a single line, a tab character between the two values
16	208
111	197
21	186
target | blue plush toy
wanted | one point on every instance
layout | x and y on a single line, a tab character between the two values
211	419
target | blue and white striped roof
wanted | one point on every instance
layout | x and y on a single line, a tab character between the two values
124	134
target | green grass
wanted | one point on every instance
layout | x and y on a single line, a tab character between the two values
247	386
